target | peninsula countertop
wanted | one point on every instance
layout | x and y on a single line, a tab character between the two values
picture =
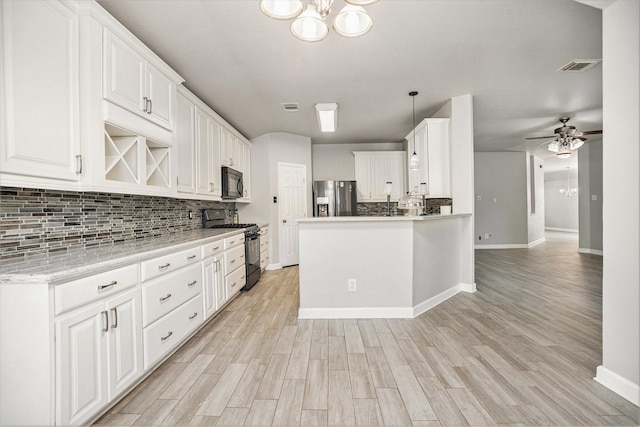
382	218
56	268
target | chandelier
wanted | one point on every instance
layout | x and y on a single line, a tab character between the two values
569	191
309	23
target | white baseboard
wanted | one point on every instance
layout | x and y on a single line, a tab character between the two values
618	384
502	246
384	312
564	230
356	313
589	251
536	242
276	266
511	245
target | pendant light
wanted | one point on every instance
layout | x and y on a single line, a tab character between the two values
414	162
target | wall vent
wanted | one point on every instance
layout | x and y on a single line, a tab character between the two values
291	107
579	65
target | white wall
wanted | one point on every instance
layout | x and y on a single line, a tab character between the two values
335	161
561	212
501	176
620	369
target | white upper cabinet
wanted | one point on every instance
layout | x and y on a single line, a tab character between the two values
39	91
432	148
135	84
374	169
185	143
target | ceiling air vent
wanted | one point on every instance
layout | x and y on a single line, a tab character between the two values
579	65
291	107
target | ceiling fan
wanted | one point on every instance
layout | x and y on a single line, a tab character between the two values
566	139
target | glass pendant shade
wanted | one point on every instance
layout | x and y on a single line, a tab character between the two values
360	2
414	162
281	9
576	143
309	26
553	147
352	21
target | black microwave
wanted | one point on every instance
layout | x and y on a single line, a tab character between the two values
232	187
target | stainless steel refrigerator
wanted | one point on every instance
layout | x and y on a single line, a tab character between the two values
334	198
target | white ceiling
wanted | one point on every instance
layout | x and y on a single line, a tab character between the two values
503	52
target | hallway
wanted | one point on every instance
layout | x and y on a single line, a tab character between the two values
521	350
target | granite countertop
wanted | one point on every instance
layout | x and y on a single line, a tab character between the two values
381	218
57	268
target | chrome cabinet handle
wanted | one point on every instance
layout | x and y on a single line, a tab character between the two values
113	283
79	164
284	221
161	267
192	283
105	317
242	256
115	317
146	104
166	336
150	109
189	258
164	298
232	242
193	316
232	261
234	285
216	248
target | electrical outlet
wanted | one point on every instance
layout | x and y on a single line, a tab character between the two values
190	214
486	235
351	285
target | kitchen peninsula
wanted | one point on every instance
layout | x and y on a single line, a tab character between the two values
383	267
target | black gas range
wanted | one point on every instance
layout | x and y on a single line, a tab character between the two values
218	218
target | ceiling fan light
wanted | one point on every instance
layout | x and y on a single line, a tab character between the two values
309	26
352	21
553	147
360	2
564	154
576	143
281	9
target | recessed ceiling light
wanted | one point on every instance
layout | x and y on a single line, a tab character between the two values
327	115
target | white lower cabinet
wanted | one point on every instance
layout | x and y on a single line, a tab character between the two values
166	333
98	355
264	247
214	292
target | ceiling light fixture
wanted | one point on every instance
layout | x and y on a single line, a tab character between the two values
414	161
563	146
327	115
310	22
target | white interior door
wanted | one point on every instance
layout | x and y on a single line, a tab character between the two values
292	195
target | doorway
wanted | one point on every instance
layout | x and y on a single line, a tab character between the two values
292	196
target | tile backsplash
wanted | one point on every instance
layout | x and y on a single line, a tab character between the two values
380	208
45	221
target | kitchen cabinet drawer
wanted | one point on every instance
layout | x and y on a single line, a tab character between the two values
164	264
82	291
165	293
232	241
212	248
234	258
165	334
264	243
235	281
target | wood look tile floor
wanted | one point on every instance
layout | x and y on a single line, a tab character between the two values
522	350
